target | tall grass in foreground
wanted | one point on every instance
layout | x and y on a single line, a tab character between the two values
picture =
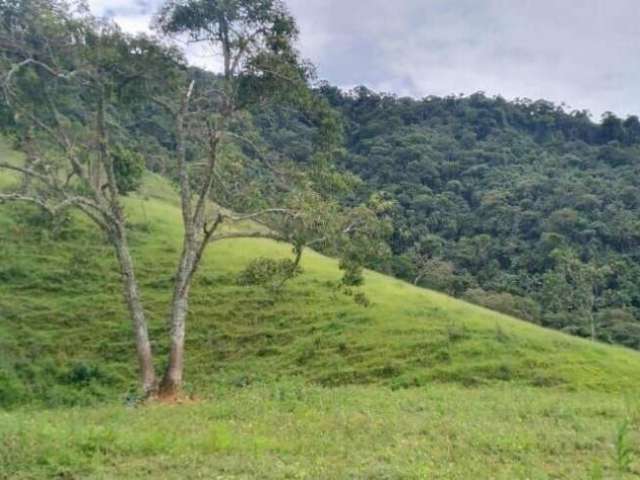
290	430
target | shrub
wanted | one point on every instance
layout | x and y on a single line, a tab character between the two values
503	302
268	272
129	169
361	299
83	374
12	390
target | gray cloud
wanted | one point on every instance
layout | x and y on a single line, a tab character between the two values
581	52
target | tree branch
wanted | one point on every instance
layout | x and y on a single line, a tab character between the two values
44	66
16	197
183	171
240	235
208	233
205	189
251	216
84	204
28	172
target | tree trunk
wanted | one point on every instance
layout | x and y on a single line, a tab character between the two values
172	380
136	311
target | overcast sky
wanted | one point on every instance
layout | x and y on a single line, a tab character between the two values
585	53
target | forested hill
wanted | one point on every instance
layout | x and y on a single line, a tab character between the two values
520	206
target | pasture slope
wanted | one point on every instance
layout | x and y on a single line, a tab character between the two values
305	384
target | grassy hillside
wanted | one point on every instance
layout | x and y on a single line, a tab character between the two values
422	385
61	306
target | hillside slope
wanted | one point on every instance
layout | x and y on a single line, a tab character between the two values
490	396
65	336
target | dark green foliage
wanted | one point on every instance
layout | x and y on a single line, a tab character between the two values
488	194
268	272
129	168
361	299
352	276
257	40
483	194
12	390
64	338
82	374
514	305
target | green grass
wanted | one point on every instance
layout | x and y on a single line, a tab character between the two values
7	178
61	308
292	430
306	384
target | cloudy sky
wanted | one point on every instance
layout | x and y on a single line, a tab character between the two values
585	53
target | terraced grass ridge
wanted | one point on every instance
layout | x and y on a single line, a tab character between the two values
301	384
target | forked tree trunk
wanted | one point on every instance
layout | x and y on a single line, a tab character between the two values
194	244
136	311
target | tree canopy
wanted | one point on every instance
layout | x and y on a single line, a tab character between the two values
533	206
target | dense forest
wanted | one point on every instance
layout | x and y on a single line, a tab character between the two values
519	206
